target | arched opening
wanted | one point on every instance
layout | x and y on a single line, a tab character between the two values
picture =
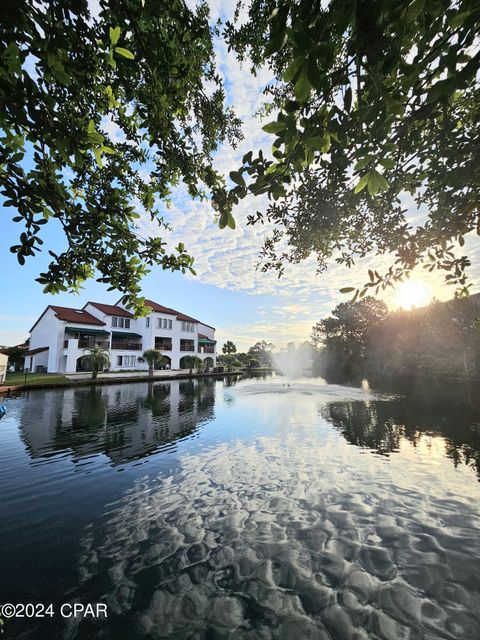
208	361
167	364
186	362
83	364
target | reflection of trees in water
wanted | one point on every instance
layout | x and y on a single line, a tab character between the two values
156	399
381	425
362	424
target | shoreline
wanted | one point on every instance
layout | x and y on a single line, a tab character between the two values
8	389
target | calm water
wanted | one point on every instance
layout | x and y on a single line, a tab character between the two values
250	510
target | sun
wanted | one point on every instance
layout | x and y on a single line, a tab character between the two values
412	293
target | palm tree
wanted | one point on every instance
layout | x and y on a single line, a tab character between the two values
96	359
229	347
153	357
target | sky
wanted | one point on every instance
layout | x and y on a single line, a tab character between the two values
244	304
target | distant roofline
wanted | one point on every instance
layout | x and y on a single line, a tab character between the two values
172	312
99	305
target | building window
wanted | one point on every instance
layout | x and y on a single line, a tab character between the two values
187	345
163	323
147	322
188	326
163	344
126	361
121	322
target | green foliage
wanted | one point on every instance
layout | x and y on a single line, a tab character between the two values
439	340
229	347
377	105
346	334
95	360
16	356
231	361
193	362
101	116
153	357
262	351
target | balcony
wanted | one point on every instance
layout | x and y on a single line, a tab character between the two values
127	346
206	349
184	347
91	344
163	344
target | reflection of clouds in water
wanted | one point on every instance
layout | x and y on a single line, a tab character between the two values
289	539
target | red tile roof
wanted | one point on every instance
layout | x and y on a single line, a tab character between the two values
160	308
70	315
75	315
111	309
180	316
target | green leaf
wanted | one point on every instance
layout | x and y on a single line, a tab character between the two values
237	177
274	127
361	164
302	87
125	53
223	220
114	35
319	143
362	183
347	99
293	68
458	19
376	182
388	163
231	221
98	157
347	289
95	137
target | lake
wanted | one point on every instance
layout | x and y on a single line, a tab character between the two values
243	508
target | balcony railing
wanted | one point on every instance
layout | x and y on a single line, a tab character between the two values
127	346
163	347
206	349
91	344
187	348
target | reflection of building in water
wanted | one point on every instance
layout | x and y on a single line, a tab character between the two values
124	422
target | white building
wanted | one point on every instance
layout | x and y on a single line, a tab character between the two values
61	336
3	366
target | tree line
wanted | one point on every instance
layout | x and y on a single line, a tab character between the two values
364	338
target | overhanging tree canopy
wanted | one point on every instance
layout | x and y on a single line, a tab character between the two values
377	100
100	116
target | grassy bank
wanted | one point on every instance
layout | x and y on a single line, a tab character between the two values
18	379
15	381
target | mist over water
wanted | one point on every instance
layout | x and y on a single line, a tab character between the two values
293	363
